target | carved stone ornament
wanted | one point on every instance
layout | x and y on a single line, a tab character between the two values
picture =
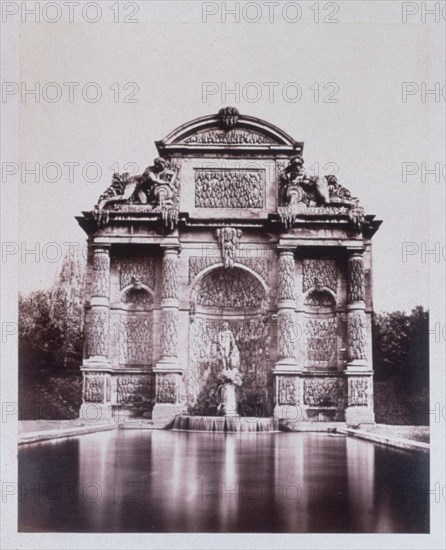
157	189
322	392
358	389
319	274
135	389
355	282
198	263
98	332
286	390
229	188
134	270
356	336
237	136
228	117
298	191
94	388
166	388
229	239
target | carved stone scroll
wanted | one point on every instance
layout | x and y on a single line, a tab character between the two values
229	188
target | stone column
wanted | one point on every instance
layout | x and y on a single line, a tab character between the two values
286	381
359	376
169	383
96	366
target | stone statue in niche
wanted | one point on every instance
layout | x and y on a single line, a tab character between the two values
229	239
157	188
230	376
227	348
297	191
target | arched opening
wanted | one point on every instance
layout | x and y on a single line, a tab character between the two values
237	297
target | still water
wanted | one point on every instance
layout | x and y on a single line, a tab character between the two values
161	481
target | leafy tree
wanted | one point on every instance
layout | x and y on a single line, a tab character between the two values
51	322
401	347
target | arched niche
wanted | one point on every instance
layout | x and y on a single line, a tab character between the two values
320	330
238	297
133	330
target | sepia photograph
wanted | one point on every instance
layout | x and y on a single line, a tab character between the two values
223	274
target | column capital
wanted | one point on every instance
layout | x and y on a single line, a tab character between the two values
355	252
100	247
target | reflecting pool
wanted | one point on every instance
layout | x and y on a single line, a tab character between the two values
161	481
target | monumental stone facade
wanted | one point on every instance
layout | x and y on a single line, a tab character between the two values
226	226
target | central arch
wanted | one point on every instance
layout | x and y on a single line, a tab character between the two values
238	297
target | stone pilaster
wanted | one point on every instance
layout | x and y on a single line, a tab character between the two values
359	376
169	382
287	382
96	382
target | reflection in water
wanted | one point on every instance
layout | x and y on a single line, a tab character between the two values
160	481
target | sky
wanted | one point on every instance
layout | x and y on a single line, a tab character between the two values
151	76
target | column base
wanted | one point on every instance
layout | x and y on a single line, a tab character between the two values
168	365
287	366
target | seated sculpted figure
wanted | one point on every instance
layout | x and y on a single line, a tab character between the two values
299	187
156	186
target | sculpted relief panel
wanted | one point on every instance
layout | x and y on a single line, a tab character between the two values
131	268
135	390
321	343
229	188
135	340
321	392
231	137
222	288
319	273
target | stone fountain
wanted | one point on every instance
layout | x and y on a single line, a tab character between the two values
228	419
